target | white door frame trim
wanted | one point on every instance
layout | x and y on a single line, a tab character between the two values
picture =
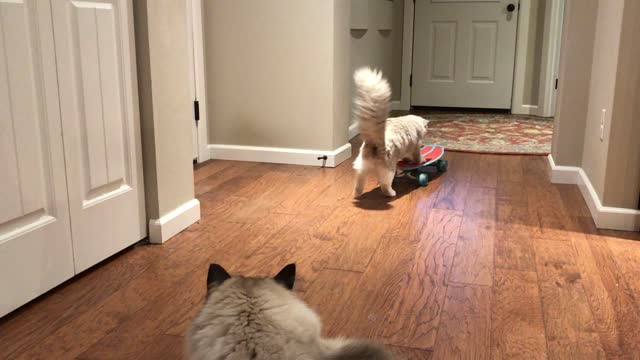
196	48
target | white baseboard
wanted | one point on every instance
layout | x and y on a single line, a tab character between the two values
169	225
281	155
563	174
605	217
525	109
353	131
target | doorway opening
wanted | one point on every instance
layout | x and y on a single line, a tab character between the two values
485	70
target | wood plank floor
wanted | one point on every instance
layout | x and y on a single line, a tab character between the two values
490	261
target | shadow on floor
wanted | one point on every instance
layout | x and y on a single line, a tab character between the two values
374	199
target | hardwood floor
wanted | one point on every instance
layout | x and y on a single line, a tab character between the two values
490	261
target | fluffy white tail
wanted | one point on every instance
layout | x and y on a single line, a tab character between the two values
371	104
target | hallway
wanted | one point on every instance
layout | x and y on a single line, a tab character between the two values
490	260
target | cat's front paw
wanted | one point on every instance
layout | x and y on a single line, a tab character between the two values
389	192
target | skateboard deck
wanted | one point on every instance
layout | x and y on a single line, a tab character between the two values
429	153
431	157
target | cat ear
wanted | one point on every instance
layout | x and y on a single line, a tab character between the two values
216	275
287	276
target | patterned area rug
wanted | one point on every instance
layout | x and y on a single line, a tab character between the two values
491	133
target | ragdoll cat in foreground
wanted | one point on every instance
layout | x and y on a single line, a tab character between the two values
385	140
262	319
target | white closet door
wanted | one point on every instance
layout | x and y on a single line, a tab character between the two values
99	106
35	239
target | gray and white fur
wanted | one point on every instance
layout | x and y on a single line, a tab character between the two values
254	318
385	140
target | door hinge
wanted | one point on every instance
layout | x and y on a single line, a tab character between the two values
196	111
411	80
556	86
518	5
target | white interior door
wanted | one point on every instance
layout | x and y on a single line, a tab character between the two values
35	239
464	53
99	106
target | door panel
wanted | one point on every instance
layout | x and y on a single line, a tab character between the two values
464	53
35	238
483	51
443	50
100	108
96	68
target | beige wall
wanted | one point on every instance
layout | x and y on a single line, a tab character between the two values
611	82
165	104
575	75
601	91
623	158
272	73
381	49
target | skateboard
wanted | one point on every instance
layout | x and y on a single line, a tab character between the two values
431	158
